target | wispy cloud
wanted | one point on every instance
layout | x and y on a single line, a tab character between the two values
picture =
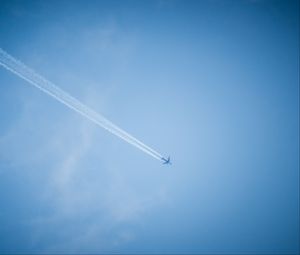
92	199
91	203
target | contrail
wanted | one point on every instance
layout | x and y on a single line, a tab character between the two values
21	70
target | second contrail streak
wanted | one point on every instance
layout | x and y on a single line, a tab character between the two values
18	68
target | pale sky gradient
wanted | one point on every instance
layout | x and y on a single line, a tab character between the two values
213	84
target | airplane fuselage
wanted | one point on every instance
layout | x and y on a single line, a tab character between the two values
166	161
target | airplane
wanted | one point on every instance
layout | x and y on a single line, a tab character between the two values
166	161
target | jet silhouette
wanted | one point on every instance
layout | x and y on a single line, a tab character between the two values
166	161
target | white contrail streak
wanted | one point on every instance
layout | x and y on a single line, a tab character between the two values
18	68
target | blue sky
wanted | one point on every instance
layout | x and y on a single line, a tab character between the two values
214	84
